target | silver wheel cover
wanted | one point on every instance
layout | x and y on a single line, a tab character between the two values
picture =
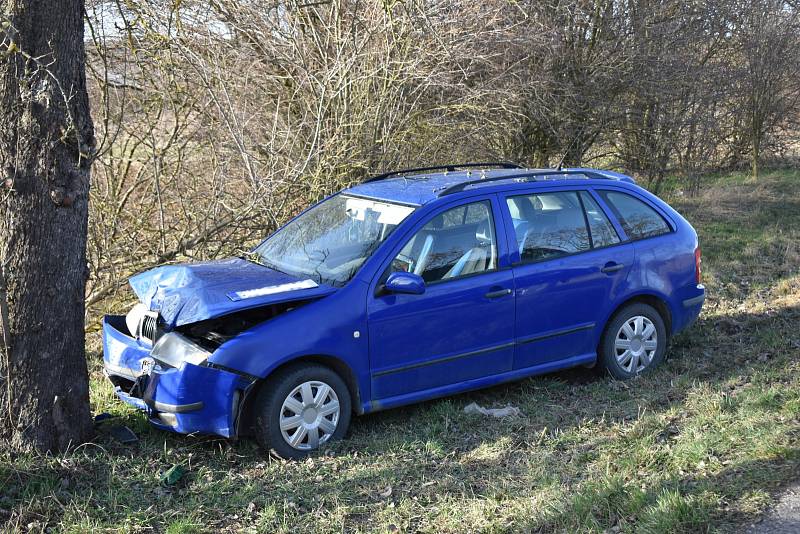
309	415
635	344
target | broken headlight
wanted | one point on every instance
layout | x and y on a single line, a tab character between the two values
173	349
142	323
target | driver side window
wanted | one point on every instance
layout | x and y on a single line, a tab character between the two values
458	242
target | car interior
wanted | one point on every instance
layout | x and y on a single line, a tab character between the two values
548	225
440	251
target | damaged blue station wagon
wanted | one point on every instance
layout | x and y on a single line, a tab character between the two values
413	285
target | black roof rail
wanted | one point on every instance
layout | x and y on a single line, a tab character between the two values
451	167
522	177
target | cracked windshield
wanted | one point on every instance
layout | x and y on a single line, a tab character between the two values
329	242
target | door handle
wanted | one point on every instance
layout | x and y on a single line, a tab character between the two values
498	293
611	267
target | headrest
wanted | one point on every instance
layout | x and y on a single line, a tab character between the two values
483	233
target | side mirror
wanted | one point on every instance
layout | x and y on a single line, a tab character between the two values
402	282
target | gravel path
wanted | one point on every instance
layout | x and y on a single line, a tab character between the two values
784	518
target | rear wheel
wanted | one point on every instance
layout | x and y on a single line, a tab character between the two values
634	341
300	409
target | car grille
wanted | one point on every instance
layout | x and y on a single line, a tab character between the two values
148	327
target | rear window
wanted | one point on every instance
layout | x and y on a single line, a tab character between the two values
637	218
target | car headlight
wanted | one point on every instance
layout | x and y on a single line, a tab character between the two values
134	319
142	323
174	349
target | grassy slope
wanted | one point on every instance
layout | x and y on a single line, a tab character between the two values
696	446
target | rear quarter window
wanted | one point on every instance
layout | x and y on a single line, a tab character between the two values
637	218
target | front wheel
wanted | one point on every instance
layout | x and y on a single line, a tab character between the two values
300	409
634	341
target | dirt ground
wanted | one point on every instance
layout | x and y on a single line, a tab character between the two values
784	518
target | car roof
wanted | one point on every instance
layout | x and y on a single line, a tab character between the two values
424	187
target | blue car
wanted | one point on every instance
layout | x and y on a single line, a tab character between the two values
413	285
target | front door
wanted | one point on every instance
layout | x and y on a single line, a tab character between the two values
462	327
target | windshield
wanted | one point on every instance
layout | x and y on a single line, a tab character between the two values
329	242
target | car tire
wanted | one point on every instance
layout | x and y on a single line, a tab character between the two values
633	342
295	410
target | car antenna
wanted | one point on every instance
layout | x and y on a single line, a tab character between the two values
561	161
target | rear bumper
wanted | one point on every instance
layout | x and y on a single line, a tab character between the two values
691	303
185	399
695	301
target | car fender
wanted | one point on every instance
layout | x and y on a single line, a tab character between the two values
632	296
332	327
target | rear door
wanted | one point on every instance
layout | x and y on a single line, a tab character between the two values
568	263
462	327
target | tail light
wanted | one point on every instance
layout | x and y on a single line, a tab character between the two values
698	262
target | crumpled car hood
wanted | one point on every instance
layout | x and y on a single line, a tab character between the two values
192	292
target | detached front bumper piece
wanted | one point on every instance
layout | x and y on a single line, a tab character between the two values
185	399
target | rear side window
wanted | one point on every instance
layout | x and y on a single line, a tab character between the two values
603	233
637	218
548	225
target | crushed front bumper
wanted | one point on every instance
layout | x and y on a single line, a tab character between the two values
186	399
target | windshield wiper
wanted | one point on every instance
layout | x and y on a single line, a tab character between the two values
258	259
254	257
250	256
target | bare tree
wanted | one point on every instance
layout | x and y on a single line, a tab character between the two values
769	63
674	94
220	120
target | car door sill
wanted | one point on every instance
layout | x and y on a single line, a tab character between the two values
556	333
442	360
478	383
487	350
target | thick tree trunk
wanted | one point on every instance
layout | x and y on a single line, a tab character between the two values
46	144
